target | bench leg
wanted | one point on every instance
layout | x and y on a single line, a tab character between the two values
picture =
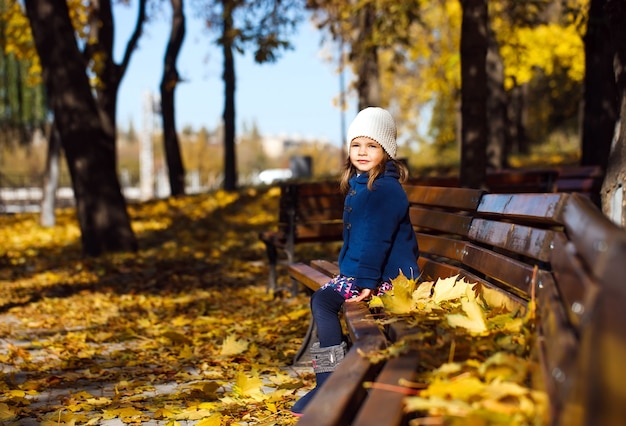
303	357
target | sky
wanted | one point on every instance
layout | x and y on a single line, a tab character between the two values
292	97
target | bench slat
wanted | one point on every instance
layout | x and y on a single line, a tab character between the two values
372	412
524	240
308	276
326	266
516	275
318	232
546	208
558	345
339	398
577	290
450	198
440	246
598	241
440	221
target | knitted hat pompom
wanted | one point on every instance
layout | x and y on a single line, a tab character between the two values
375	123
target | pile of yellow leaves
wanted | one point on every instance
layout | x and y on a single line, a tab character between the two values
475	350
182	332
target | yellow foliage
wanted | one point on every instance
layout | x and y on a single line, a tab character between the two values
232	345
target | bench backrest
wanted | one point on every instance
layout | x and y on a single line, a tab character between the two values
312	211
557	249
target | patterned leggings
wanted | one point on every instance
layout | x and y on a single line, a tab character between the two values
326	304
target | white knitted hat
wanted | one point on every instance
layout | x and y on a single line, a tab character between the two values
377	124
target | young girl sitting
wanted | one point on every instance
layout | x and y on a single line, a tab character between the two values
378	238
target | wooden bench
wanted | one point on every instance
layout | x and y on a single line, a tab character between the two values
311	212
556	247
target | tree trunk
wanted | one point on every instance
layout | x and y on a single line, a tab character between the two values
101	208
366	59
496	108
169	81
600	101
230	163
474	93
613	200
51	178
101	52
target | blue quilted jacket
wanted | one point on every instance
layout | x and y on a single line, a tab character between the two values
378	238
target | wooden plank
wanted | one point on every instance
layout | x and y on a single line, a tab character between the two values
430	269
361	324
544	208
515	275
329	268
308	276
338	399
558	343
314	232
372	412
524	240
442	197
599	242
451	223
440	246
577	289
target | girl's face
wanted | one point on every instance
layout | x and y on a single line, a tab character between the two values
365	154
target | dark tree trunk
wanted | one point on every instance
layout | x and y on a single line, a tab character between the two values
613	199
102	31
230	163
51	178
101	208
169	81
366	59
600	98
496	108
516	140
474	93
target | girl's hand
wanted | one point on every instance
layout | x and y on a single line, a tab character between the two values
365	294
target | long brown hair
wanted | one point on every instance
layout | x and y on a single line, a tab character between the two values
349	170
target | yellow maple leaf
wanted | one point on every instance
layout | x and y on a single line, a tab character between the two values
233	346
462	388
399	300
16	393
423	291
213	420
437	405
164	413
449	289
473	320
6	412
251	387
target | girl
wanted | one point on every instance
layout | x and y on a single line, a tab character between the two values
378	238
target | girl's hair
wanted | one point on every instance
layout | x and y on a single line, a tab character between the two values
349	170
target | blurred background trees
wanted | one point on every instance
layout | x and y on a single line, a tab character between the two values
543	91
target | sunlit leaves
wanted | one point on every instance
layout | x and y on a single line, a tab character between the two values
183	330
233	345
473	343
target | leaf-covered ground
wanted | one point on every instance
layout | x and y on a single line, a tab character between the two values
182	332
